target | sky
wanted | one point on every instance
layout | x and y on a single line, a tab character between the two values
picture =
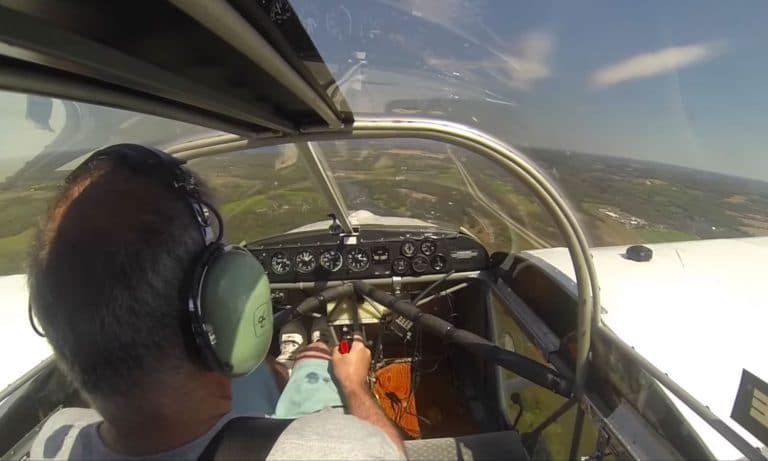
681	82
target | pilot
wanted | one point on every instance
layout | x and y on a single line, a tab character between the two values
136	293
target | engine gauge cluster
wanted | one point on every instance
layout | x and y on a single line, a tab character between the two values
372	254
419	257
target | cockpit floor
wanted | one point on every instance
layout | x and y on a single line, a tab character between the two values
441	408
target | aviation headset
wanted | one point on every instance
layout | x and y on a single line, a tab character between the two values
227	293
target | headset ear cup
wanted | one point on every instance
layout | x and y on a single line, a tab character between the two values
236	310
202	334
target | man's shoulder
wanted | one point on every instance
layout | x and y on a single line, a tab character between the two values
60	432
71	433
332	434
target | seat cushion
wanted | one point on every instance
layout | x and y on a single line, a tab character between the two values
489	446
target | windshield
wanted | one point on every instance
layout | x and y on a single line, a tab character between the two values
268	191
262	192
440	184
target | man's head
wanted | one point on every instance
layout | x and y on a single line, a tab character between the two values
107	276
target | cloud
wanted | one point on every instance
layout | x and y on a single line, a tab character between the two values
533	59
526	61
655	63
448	13
519	65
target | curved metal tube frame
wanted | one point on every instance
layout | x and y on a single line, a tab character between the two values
510	160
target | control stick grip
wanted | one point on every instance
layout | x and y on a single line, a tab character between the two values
345	345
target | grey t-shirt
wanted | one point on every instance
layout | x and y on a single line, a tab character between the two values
72	434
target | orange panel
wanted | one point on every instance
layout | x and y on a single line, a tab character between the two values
397	399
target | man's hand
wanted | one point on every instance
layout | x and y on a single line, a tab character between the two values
351	369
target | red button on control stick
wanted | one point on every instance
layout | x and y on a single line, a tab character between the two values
344	346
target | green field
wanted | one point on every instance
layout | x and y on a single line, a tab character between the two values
269	192
13	252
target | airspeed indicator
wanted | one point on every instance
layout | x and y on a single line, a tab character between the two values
305	262
358	259
331	260
280	263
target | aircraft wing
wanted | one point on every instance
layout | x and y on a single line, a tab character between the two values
22	348
697	310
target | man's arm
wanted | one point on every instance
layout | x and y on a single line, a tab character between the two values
351	371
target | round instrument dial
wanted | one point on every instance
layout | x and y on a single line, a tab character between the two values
408	248
420	264
439	262
331	260
305	262
280	263
358	259
428	247
280	11
400	266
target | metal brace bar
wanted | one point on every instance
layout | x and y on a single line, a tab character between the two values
318	168
578	425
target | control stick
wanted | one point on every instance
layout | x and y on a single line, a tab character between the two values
345	345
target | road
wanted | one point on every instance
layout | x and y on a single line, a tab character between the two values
493	208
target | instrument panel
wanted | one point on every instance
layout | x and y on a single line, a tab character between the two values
368	254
